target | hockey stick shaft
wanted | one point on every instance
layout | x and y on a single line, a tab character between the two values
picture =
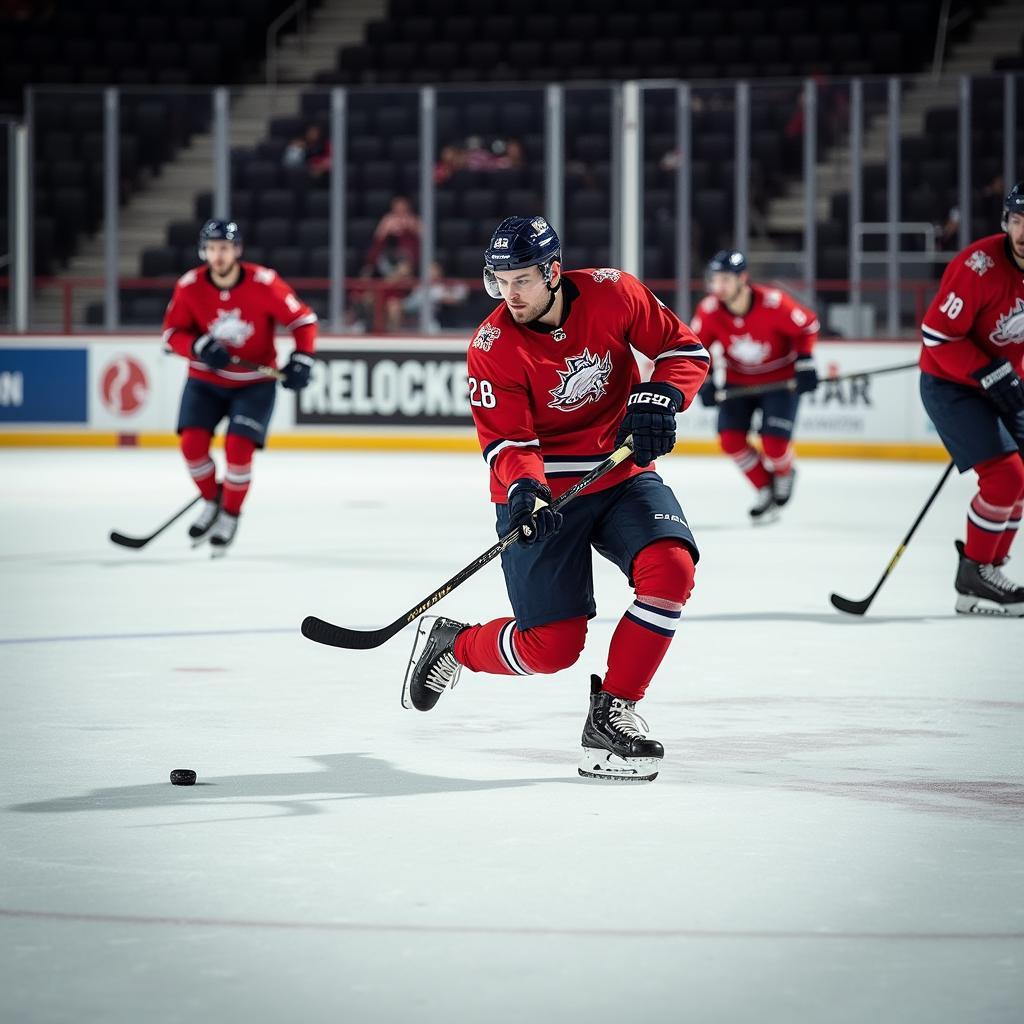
339	636
844	604
724	394
141	542
247	364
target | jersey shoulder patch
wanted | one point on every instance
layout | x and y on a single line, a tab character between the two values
263	275
189	277
980	262
772	298
709	304
486	336
606	274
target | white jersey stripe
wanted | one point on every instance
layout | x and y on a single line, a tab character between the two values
499	448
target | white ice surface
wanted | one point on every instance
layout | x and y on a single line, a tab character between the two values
836	834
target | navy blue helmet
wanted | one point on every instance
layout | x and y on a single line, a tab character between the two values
216	231
1013	203
727	261
520	242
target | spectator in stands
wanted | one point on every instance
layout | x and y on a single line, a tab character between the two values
312	150
442	293
476	154
397	235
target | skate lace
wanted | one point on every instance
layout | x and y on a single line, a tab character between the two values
993	575
623	717
444	671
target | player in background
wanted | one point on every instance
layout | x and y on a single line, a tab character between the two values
228	310
767	337
971	365
554	389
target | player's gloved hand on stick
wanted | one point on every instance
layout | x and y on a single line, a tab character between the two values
297	371
707	393
1002	385
806	375
211	351
651	418
523	495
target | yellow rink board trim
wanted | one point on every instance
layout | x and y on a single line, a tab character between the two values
440	443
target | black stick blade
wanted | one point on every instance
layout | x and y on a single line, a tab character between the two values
844	604
352	639
129	542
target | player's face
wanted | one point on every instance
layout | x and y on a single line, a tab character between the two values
724	286
1015	233
221	256
524	292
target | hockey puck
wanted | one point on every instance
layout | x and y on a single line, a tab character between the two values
183	777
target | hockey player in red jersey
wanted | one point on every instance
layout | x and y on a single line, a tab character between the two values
971	366
767	337
554	389
224	311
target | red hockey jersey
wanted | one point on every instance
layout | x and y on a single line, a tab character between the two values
547	401
763	344
977	315
243	318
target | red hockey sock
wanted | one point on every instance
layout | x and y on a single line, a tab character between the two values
239	472
1000	488
1010	533
500	647
662	580
195	446
734	443
778	454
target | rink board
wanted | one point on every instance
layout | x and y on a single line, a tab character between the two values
401	394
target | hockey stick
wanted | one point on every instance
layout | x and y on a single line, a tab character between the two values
259	367
361	640
724	394
844	604
141	542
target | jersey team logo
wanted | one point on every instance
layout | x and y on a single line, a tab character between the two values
606	274
584	380
1009	329
744	349
486	337
230	328
979	262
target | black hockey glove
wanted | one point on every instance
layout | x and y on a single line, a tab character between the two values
532	525
707	393
651	418
806	375
297	371
1002	385
211	351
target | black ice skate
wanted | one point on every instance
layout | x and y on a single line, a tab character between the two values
432	666
984	590
222	534
782	487
201	527
615	743
765	509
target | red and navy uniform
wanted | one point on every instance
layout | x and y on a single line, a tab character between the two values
547	403
760	346
976	317
244	318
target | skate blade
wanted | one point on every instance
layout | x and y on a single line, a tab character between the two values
766	519
600	764
423	628
198	542
219	551
968	604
